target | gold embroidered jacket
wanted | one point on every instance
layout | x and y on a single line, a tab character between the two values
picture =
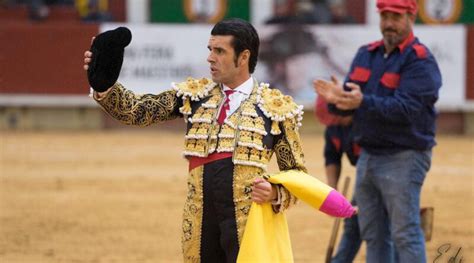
265	123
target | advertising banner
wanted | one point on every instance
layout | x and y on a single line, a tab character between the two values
161	54
290	57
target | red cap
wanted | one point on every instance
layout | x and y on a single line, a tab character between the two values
398	6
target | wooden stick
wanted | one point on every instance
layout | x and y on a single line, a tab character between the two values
335	227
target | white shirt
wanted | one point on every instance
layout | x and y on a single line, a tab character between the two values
241	93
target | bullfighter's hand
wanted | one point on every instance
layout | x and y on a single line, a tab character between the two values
263	191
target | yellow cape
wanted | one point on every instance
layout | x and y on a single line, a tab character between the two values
266	238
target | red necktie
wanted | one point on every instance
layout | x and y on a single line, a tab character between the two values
225	107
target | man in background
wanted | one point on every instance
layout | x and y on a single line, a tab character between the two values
339	140
390	91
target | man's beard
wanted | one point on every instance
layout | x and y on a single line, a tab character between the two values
394	39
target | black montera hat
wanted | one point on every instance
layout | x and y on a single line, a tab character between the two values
107	57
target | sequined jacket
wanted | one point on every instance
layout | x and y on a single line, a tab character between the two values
265	124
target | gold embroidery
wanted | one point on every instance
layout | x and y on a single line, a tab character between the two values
203	115
196	141
226	132
266	155
232	120
226	145
203	129
186	108
208	114
193	129
244	125
249	110
260	124
198	113
294	142
275	128
201	146
246	121
254	155
278	107
213	138
214	101
192	216
289	156
140	110
257	139
195	89
286	200
190	144
192	90
241	153
245	136
285	158
242	185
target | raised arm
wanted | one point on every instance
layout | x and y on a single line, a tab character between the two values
103	63
140	110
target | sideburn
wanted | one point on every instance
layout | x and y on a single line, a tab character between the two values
236	60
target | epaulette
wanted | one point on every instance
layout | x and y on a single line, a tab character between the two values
192	90
278	107
420	51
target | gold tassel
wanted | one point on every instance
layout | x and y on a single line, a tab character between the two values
186	109
275	128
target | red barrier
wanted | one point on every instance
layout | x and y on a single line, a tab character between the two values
356	9
44	58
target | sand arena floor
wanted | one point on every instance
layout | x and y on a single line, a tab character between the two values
116	196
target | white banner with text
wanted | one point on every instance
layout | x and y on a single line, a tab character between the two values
290	57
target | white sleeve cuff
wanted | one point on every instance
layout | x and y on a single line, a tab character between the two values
277	201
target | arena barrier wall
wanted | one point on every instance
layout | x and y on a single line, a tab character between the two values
41	66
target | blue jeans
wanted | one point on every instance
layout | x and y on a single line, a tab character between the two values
388	194
350	241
